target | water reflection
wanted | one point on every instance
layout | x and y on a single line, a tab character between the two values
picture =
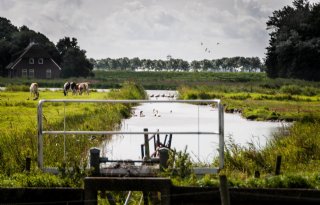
184	117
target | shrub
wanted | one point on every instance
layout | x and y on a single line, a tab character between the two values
291	89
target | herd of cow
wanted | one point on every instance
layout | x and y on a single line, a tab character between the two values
75	88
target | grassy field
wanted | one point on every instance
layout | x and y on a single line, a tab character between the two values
253	95
149	80
18	134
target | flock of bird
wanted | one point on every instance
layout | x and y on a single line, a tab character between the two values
162	95
207	50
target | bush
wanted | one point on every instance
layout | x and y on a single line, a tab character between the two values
291	89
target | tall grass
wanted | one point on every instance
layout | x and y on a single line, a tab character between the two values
18	136
299	146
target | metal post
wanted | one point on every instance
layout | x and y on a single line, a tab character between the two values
40	140
221	136
64	129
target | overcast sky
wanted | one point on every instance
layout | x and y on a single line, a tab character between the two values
151	28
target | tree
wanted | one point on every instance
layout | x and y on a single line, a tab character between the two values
5	56
294	45
6	29
75	63
74	60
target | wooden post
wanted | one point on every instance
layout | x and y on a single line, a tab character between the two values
142	151
146	144
145	198
95	161
224	190
256	174
158	139
28	164
169	142
154	142
278	165
164	157
165	140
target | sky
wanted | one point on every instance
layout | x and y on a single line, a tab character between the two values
152	29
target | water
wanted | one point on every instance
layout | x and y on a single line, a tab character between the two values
184	117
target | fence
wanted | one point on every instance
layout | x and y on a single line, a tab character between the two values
220	132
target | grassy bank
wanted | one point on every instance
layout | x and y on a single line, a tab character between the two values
289	102
298	145
18	136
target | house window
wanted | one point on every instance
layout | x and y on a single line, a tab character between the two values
31	60
48	73
40	61
24	73
31	73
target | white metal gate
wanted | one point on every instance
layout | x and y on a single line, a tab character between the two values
220	132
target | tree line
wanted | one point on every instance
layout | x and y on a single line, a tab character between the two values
66	52
294	45
233	64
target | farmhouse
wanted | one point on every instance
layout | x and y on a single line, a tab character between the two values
34	62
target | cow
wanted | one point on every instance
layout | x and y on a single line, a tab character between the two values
82	88
34	90
69	86
66	88
73	88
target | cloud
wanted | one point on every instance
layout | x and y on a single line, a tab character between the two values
151	28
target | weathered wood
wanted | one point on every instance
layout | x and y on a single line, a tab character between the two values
146	144
278	165
95	161
144	184
224	190
142	151
164	157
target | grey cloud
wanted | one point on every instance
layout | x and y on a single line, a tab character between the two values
6	4
149	27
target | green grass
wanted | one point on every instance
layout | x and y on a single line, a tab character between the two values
254	95
18	134
259	104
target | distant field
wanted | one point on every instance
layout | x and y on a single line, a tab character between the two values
149	80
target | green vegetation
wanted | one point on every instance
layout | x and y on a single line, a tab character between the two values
270	100
18	136
254	95
298	144
149	80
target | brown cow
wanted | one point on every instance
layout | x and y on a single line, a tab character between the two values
82	88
